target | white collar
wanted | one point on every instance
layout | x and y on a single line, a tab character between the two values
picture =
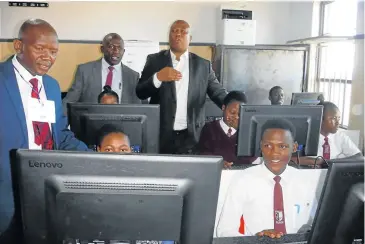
106	65
23	72
185	55
225	127
270	175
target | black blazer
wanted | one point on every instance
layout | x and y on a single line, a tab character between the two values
202	81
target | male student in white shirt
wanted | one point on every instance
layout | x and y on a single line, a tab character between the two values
333	144
269	199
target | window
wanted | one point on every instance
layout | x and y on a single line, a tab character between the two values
336	59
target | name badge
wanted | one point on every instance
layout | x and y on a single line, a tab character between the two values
41	111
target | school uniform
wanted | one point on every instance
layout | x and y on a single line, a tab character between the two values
251	203
338	145
217	138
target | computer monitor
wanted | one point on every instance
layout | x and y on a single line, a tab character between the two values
339	200
306	98
140	122
306	119
89	195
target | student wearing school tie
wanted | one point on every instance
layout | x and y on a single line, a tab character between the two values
220	137
333	144
269	199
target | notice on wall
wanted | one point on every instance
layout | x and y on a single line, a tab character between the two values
136	52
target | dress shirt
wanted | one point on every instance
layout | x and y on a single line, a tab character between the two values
341	145
251	195
117	77
225	127
182	87
25	88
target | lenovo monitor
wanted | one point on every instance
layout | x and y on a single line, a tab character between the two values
306	98
140	122
87	195
340	214
306	119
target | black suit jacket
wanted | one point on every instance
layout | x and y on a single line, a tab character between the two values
202	81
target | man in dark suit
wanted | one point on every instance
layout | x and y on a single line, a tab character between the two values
91	77
31	114
179	81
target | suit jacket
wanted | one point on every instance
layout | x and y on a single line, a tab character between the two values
14	133
202	81
87	85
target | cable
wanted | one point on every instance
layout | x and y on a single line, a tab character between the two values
315	161
298	160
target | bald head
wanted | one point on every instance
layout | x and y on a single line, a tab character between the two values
179	37
112	48
37	46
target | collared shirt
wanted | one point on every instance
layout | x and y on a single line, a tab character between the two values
182	87
25	89
341	145
225	127
251	195
117	77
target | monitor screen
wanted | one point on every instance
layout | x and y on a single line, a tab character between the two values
88	195
307	98
339	196
140	122
306	119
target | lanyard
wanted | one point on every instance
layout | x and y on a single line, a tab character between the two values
31	86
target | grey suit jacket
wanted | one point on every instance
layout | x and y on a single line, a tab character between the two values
87	86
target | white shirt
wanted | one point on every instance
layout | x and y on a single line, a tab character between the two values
117	77
225	127
251	195
341	145
182	87
25	89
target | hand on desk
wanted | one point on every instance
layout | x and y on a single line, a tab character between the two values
270	233
227	165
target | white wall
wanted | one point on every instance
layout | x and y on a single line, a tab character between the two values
150	20
301	20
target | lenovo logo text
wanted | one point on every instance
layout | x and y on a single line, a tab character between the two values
35	164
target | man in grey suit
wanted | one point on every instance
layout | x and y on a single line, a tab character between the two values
91	77
179	82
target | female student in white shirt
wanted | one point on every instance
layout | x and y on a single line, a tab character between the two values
270	199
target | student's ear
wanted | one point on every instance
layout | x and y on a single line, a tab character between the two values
295	147
98	149
223	107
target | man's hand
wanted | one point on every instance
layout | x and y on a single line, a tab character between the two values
270	233
227	165
168	74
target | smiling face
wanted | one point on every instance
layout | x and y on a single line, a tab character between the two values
277	146
113	50
231	114
37	49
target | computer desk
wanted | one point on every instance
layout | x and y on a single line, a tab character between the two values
290	238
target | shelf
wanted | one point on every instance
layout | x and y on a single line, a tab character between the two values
321	39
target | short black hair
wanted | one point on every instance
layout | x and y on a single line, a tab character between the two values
328	106
112	36
107	91
32	23
278	124
235	96
273	89
109	129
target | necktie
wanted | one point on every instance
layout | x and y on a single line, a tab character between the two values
326	149
109	77
42	132
279	216
229	134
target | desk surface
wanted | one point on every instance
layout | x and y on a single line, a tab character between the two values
290	238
